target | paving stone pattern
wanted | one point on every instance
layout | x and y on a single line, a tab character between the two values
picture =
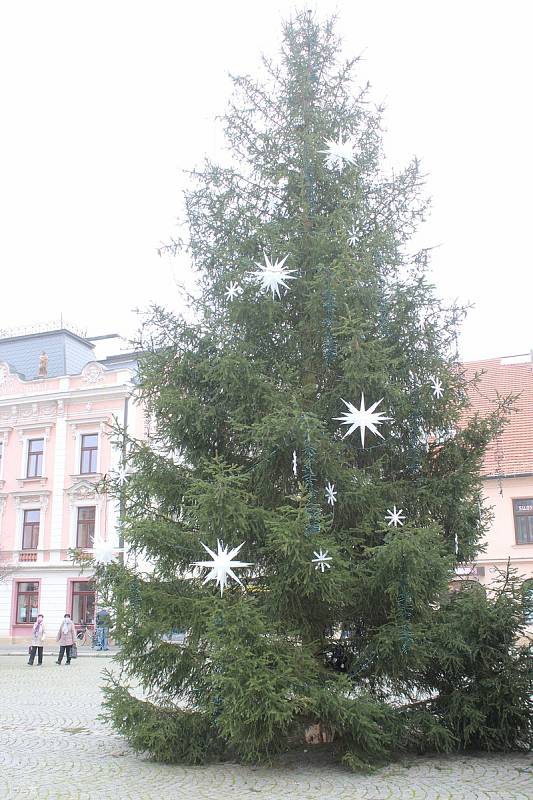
52	746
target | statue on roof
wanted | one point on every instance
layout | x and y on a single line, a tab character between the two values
43	365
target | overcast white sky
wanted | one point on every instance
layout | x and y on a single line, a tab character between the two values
103	103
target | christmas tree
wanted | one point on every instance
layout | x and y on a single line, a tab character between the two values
311	480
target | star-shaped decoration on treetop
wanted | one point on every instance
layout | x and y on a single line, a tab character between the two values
233	290
103	553
338	153
436	385
222	564
362	418
395	517
321	560
331	494
272	276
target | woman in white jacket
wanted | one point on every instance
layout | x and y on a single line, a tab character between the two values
37	641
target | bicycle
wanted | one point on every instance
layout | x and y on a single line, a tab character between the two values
87	636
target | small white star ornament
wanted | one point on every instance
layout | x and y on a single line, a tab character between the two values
353	238
395	517
338	153
321	560
272	276
121	474
222	564
436	385
331	493
362	418
103	553
233	290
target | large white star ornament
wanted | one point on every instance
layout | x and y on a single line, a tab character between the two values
222	564
233	290
436	385
295	463
338	153
321	560
103	553
272	276
395	517
331	494
362	418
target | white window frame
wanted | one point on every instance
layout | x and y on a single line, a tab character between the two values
29	504
77	455
26	449
39	432
74	505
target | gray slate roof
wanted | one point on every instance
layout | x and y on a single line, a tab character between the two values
67	353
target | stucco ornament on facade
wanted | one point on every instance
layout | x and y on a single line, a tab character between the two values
92	373
81	491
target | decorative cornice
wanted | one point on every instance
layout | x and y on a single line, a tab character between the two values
23	499
115	390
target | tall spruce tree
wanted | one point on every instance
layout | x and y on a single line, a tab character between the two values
344	619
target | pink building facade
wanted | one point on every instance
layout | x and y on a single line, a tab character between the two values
507	469
54	449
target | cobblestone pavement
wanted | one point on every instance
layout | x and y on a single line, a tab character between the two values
52	746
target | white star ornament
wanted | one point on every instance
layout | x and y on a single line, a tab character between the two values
338	153
222	564
103	553
353	238
272	276
331	494
362	418
395	517
436	385
233	290
321	560
122	474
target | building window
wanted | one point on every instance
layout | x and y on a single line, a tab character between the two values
85	526
27	602
89	453
30	529
83	602
523	520
34	466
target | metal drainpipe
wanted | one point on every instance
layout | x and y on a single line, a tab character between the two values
122	496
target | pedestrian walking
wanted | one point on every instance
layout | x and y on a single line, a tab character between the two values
66	636
37	640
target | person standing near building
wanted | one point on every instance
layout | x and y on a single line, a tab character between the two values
37	641
102	629
66	636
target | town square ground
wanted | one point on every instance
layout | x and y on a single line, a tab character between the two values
53	746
